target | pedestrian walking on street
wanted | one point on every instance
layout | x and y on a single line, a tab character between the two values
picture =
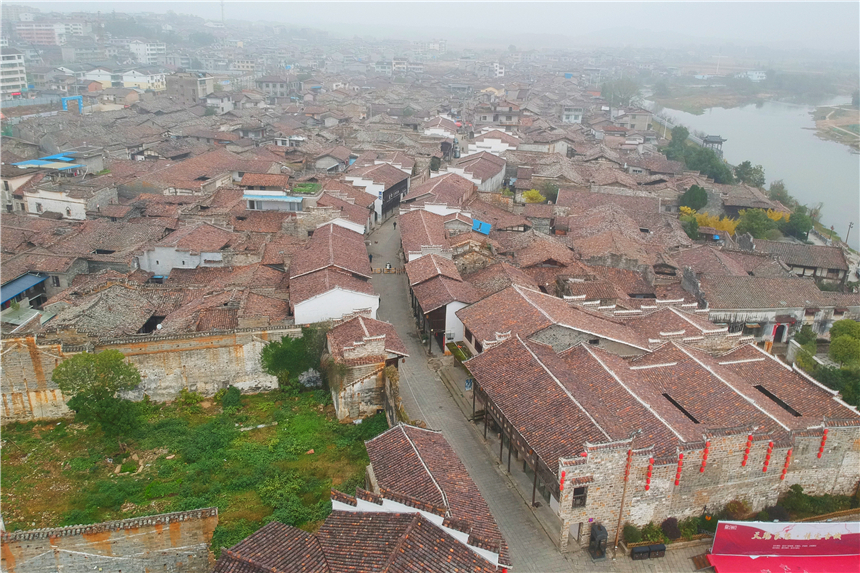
370	256
395	225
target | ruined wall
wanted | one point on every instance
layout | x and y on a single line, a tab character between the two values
170	542
359	391
724	477
203	363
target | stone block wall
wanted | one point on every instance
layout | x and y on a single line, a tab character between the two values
170	542
202	363
724	477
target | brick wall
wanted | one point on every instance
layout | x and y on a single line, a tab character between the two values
170	542
200	363
724	477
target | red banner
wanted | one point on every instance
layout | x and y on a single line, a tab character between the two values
763	538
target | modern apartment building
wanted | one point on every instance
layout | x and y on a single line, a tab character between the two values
13	76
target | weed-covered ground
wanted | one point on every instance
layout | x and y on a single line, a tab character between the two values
188	455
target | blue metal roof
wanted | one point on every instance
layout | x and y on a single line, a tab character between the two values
16	286
272	198
481	227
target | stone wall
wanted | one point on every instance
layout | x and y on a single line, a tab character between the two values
170	542
724	477
202	362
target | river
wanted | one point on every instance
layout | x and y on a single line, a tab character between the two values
781	138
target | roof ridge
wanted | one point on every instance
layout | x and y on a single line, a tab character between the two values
396	549
565	390
429	473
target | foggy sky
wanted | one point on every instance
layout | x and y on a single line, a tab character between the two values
833	26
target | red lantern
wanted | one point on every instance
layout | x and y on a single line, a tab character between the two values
648	476
561	484
823	441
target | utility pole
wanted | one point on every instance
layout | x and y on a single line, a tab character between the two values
850	226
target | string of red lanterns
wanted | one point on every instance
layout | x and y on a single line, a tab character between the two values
785	467
648	475
680	465
705	456
747	451
767	456
823	441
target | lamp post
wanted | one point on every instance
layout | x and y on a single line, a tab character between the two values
850	226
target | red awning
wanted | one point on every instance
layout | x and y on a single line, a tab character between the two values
785	563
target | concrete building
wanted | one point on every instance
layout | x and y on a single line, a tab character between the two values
189	88
13	75
70	200
149	53
41	33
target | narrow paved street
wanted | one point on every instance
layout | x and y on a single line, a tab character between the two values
426	398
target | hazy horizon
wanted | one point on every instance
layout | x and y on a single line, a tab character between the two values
827	26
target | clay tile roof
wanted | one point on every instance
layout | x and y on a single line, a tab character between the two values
440	291
796	254
499	276
359	196
422	464
730	292
422	228
332	246
217	319
449	188
482	166
350	211
274	548
316	283
386	174
265	180
346	335
260	221
498	134
198	238
524	312
339	152
430	266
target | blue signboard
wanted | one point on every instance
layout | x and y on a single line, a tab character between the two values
469	383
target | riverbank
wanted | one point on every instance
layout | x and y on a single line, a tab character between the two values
838	123
697	99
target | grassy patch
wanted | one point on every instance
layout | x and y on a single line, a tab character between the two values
64	474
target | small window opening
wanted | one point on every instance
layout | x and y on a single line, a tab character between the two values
579	496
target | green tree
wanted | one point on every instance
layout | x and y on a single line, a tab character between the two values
94	382
845	350
678	145
435	163
690	226
620	92
845	327
755	222
533	196
201	39
799	224
778	192
210	111
746	173
549	190
661	89
695	198
289	357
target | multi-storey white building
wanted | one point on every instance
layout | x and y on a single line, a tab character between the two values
41	33
13	76
148	52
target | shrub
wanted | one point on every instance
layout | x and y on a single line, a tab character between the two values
689	527
708	522
187	398
778	513
631	533
762	516
670	528
231	398
128	467
738	509
653	534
